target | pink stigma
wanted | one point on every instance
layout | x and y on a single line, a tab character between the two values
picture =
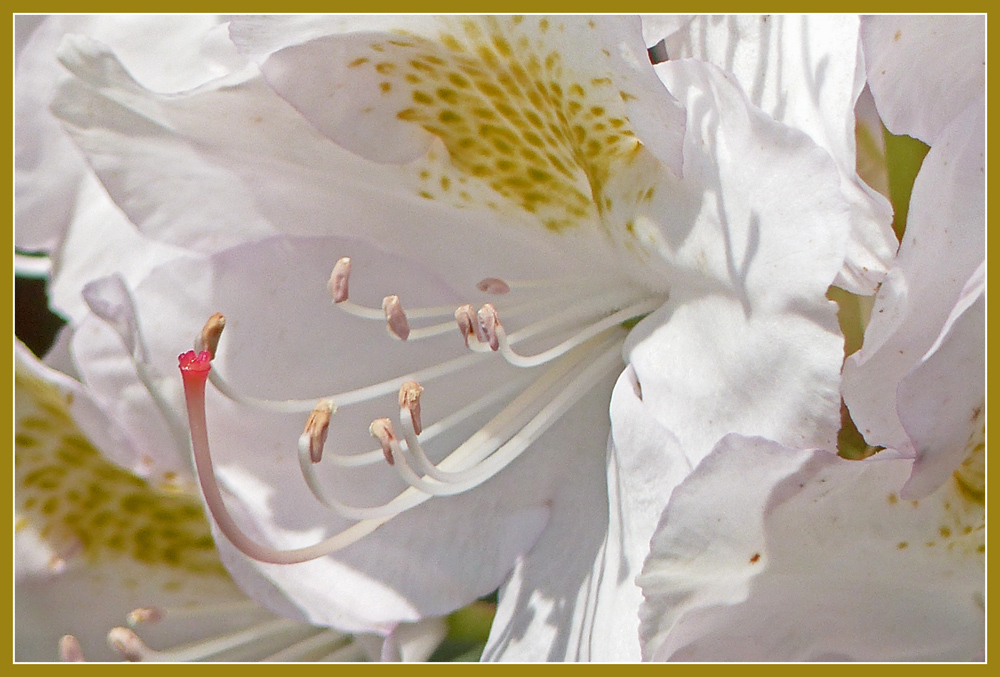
195	362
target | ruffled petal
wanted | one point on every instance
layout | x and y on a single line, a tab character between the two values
49	169
805	71
942	400
746	341
943	245
924	70
768	553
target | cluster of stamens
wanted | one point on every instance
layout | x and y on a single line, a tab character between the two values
528	405
258	636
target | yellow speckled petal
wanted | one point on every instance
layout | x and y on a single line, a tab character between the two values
526	115
84	507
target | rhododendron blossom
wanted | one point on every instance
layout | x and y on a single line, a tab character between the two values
414	255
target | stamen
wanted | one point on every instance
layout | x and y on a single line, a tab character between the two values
317	427
338	287
390	509
486	326
381	429
483	455
209	338
194	371
590	332
128	645
577	387
339	280
490	437
395	318
144	615
409	399
493	285
69	650
131	647
467	321
351	396
324	641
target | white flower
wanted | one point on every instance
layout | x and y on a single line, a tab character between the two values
773	551
97	547
538	164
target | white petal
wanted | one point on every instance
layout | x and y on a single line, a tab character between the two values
656	27
97	242
767	553
645	464
545	610
93	541
755	349
415	642
944	243
49	169
941	400
805	71
924	70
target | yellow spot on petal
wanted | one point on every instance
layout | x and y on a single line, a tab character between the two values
84	506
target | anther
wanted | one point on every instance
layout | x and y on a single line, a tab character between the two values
127	644
467	322
493	285
409	399
395	318
381	429
339	279
69	649
486	327
317	428
144	615
208	340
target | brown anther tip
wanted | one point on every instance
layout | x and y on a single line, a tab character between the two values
317	427
69	649
409	398
208	340
381	429
465	316
339	279
493	285
147	614
126	643
487	326
395	317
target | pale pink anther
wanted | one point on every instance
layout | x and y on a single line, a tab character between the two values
381	429
208	340
467	322
493	285
69	649
409	399
127	644
395	317
487	326
317	427
339	279
144	615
